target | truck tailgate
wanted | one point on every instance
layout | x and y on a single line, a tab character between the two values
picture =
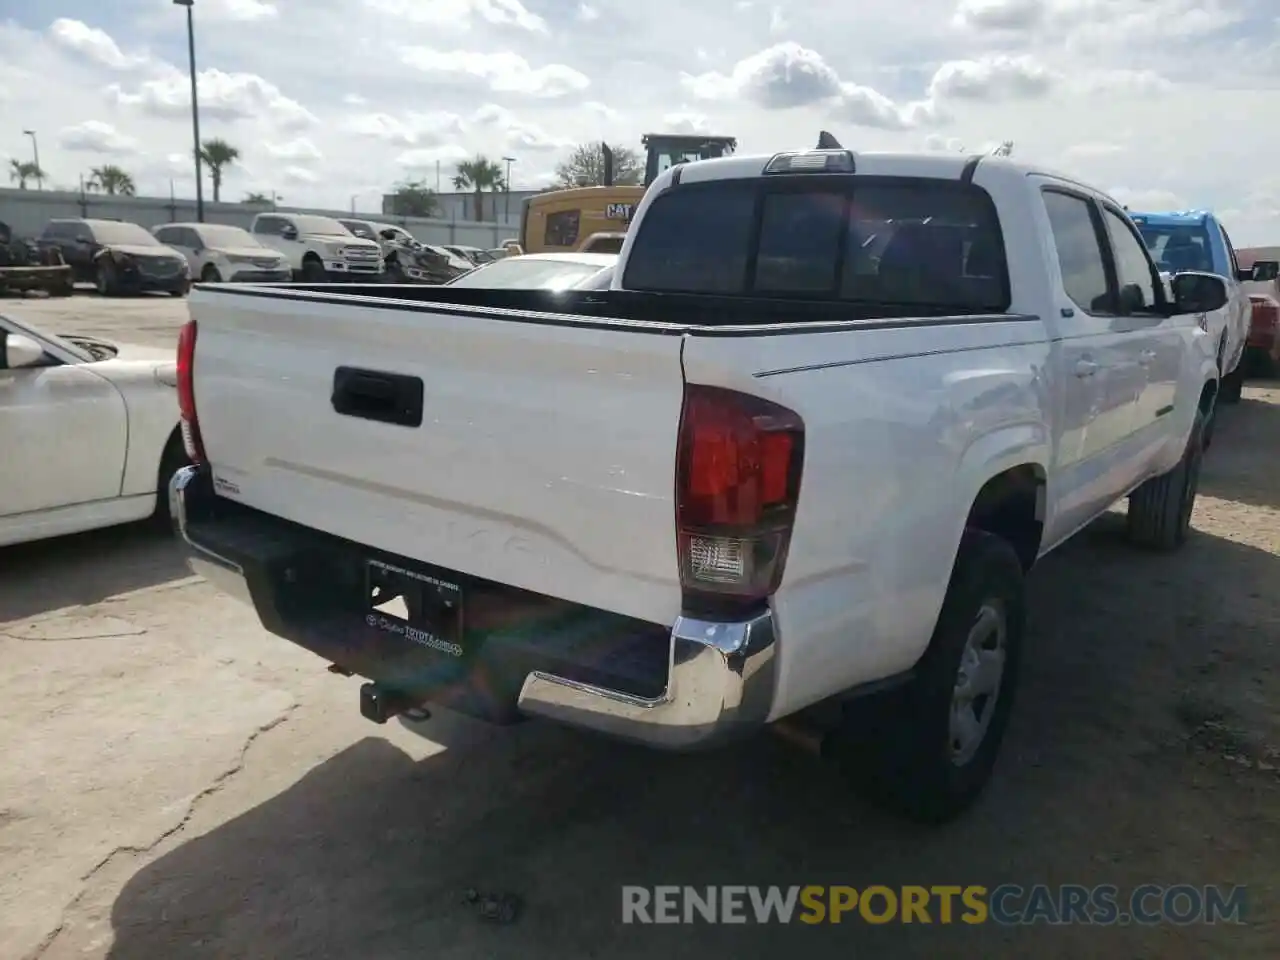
544	458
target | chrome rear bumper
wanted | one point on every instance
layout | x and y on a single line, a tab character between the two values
720	674
719	686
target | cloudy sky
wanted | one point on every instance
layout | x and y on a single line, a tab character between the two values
1167	103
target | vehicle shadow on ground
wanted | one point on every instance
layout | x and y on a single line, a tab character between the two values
1231	470
369	854
86	568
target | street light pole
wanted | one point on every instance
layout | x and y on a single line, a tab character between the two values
35	150
195	104
506	201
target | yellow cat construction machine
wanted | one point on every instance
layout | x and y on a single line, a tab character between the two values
596	218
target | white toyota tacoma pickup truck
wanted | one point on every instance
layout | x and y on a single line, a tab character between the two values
795	464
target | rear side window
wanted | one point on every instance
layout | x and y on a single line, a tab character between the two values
879	241
1080	257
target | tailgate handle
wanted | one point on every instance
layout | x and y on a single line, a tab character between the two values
377	395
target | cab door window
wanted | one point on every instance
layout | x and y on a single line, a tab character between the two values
1136	278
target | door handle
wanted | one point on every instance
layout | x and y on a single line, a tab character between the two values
1086	368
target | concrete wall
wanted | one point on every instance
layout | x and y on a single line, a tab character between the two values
27	211
497	207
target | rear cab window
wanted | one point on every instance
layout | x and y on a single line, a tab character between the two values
892	245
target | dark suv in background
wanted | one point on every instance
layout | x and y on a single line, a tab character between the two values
117	257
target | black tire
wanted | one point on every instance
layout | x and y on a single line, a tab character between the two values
210	274
394	272
901	746
105	279
1160	510
313	271
1229	391
172	460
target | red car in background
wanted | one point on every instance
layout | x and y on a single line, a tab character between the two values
1262	348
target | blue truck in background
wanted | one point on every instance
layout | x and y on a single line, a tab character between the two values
1196	240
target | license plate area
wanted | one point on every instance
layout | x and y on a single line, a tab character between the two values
423	609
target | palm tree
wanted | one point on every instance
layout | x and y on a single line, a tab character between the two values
253	197
20	171
478	174
216	154
111	180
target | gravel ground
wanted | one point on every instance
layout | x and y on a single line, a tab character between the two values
180	784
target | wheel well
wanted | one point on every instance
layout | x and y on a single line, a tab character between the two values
173	454
1207	396
1011	506
311	255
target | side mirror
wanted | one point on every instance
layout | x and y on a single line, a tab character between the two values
1265	271
289	233
388	235
21	351
1198	293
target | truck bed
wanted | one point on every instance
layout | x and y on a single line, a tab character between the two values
651	312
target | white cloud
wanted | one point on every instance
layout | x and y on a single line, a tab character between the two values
299	151
517	134
224	96
460	14
301	175
989	78
93	44
784	75
602	110
502	72
94	136
787	75
427	158
1123	82
408	130
587	13
241	11
686	121
1000	14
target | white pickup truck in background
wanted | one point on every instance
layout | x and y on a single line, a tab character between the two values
319	248
796	464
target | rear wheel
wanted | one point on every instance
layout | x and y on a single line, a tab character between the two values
1160	510
927	750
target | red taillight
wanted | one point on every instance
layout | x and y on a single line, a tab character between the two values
1266	315
737	484
187	393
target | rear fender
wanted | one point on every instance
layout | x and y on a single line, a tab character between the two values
990	455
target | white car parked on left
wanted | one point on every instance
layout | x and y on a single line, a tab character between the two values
88	433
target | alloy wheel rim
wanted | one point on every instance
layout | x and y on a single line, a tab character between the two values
978	680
